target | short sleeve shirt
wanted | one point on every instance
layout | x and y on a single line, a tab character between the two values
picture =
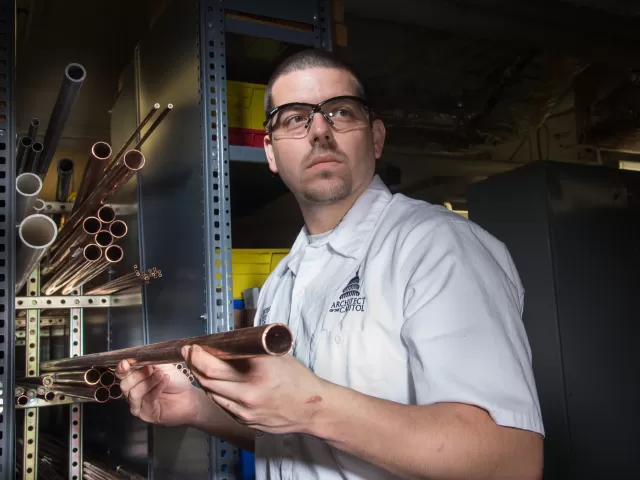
404	301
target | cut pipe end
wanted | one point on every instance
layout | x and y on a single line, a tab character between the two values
118	229
115	392
106	214
38	231
277	339
28	184
92	377
114	253
65	165
104	238
37	147
101	395
35	122
134	160
92	252
26	141
91	225
39	205
101	150
75	72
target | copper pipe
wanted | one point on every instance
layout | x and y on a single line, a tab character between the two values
273	339
118	229
91	254
100	394
19	391
135	133
106	214
112	254
132	162
48	395
107	379
90	227
103	238
100	153
155	125
22	400
86	377
115	392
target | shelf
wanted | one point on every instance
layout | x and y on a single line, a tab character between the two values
280	33
247	154
81	301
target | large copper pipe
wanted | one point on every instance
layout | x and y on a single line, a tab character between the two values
118	229
81	260
90	227
87	377
103	238
132	162
100	394
100	153
273	339
115	392
106	214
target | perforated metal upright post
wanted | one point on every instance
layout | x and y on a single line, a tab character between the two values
32	415
7	240
75	413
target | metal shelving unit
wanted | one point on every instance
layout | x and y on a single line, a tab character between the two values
201	290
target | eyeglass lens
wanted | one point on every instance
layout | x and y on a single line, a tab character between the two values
342	114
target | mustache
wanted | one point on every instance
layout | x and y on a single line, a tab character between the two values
317	152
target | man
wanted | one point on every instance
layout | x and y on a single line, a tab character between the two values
410	357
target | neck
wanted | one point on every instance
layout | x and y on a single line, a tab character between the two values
320	218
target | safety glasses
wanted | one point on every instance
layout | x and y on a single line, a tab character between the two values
292	120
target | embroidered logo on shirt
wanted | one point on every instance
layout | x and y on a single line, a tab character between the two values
350	300
263	316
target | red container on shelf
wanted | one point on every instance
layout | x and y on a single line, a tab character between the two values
246	137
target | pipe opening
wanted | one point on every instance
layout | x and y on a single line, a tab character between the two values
118	229
104	238
37	147
101	395
91	225
26	141
39	205
106	214
92	376
92	252
115	392
38	231
35	122
23	400
65	165
134	160
114	253
278	339
107	379
50	396
75	72
101	150
28	184
47	381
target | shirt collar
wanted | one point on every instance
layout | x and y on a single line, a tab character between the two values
352	235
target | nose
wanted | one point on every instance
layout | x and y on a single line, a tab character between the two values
320	132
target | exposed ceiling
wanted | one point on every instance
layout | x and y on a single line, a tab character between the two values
467	88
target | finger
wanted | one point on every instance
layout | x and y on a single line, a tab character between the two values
138	393
134	377
123	369
149	405
212	367
235	391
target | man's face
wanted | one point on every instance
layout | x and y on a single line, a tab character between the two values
325	165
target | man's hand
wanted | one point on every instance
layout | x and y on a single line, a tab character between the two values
271	394
159	394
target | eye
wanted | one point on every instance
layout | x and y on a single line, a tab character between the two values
294	120
343	112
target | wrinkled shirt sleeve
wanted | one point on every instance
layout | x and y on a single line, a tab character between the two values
463	324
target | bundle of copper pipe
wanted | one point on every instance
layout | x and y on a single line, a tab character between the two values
86	253
130	280
273	339
94	384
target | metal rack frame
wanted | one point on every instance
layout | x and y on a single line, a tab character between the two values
216	19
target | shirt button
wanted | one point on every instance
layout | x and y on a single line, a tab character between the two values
338	339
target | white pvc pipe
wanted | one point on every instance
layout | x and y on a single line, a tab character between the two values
37	233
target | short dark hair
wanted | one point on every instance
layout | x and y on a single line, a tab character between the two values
311	58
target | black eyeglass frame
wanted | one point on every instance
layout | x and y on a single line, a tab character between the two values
316	108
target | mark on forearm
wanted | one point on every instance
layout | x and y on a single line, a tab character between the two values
316	399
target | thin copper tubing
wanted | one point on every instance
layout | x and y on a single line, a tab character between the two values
100	153
273	339
87	377
117	176
112	254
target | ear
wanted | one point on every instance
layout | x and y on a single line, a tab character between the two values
268	149
379	134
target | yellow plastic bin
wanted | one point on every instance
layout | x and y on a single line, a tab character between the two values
245	105
251	267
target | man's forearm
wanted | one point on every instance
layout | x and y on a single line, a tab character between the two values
442	441
214	421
